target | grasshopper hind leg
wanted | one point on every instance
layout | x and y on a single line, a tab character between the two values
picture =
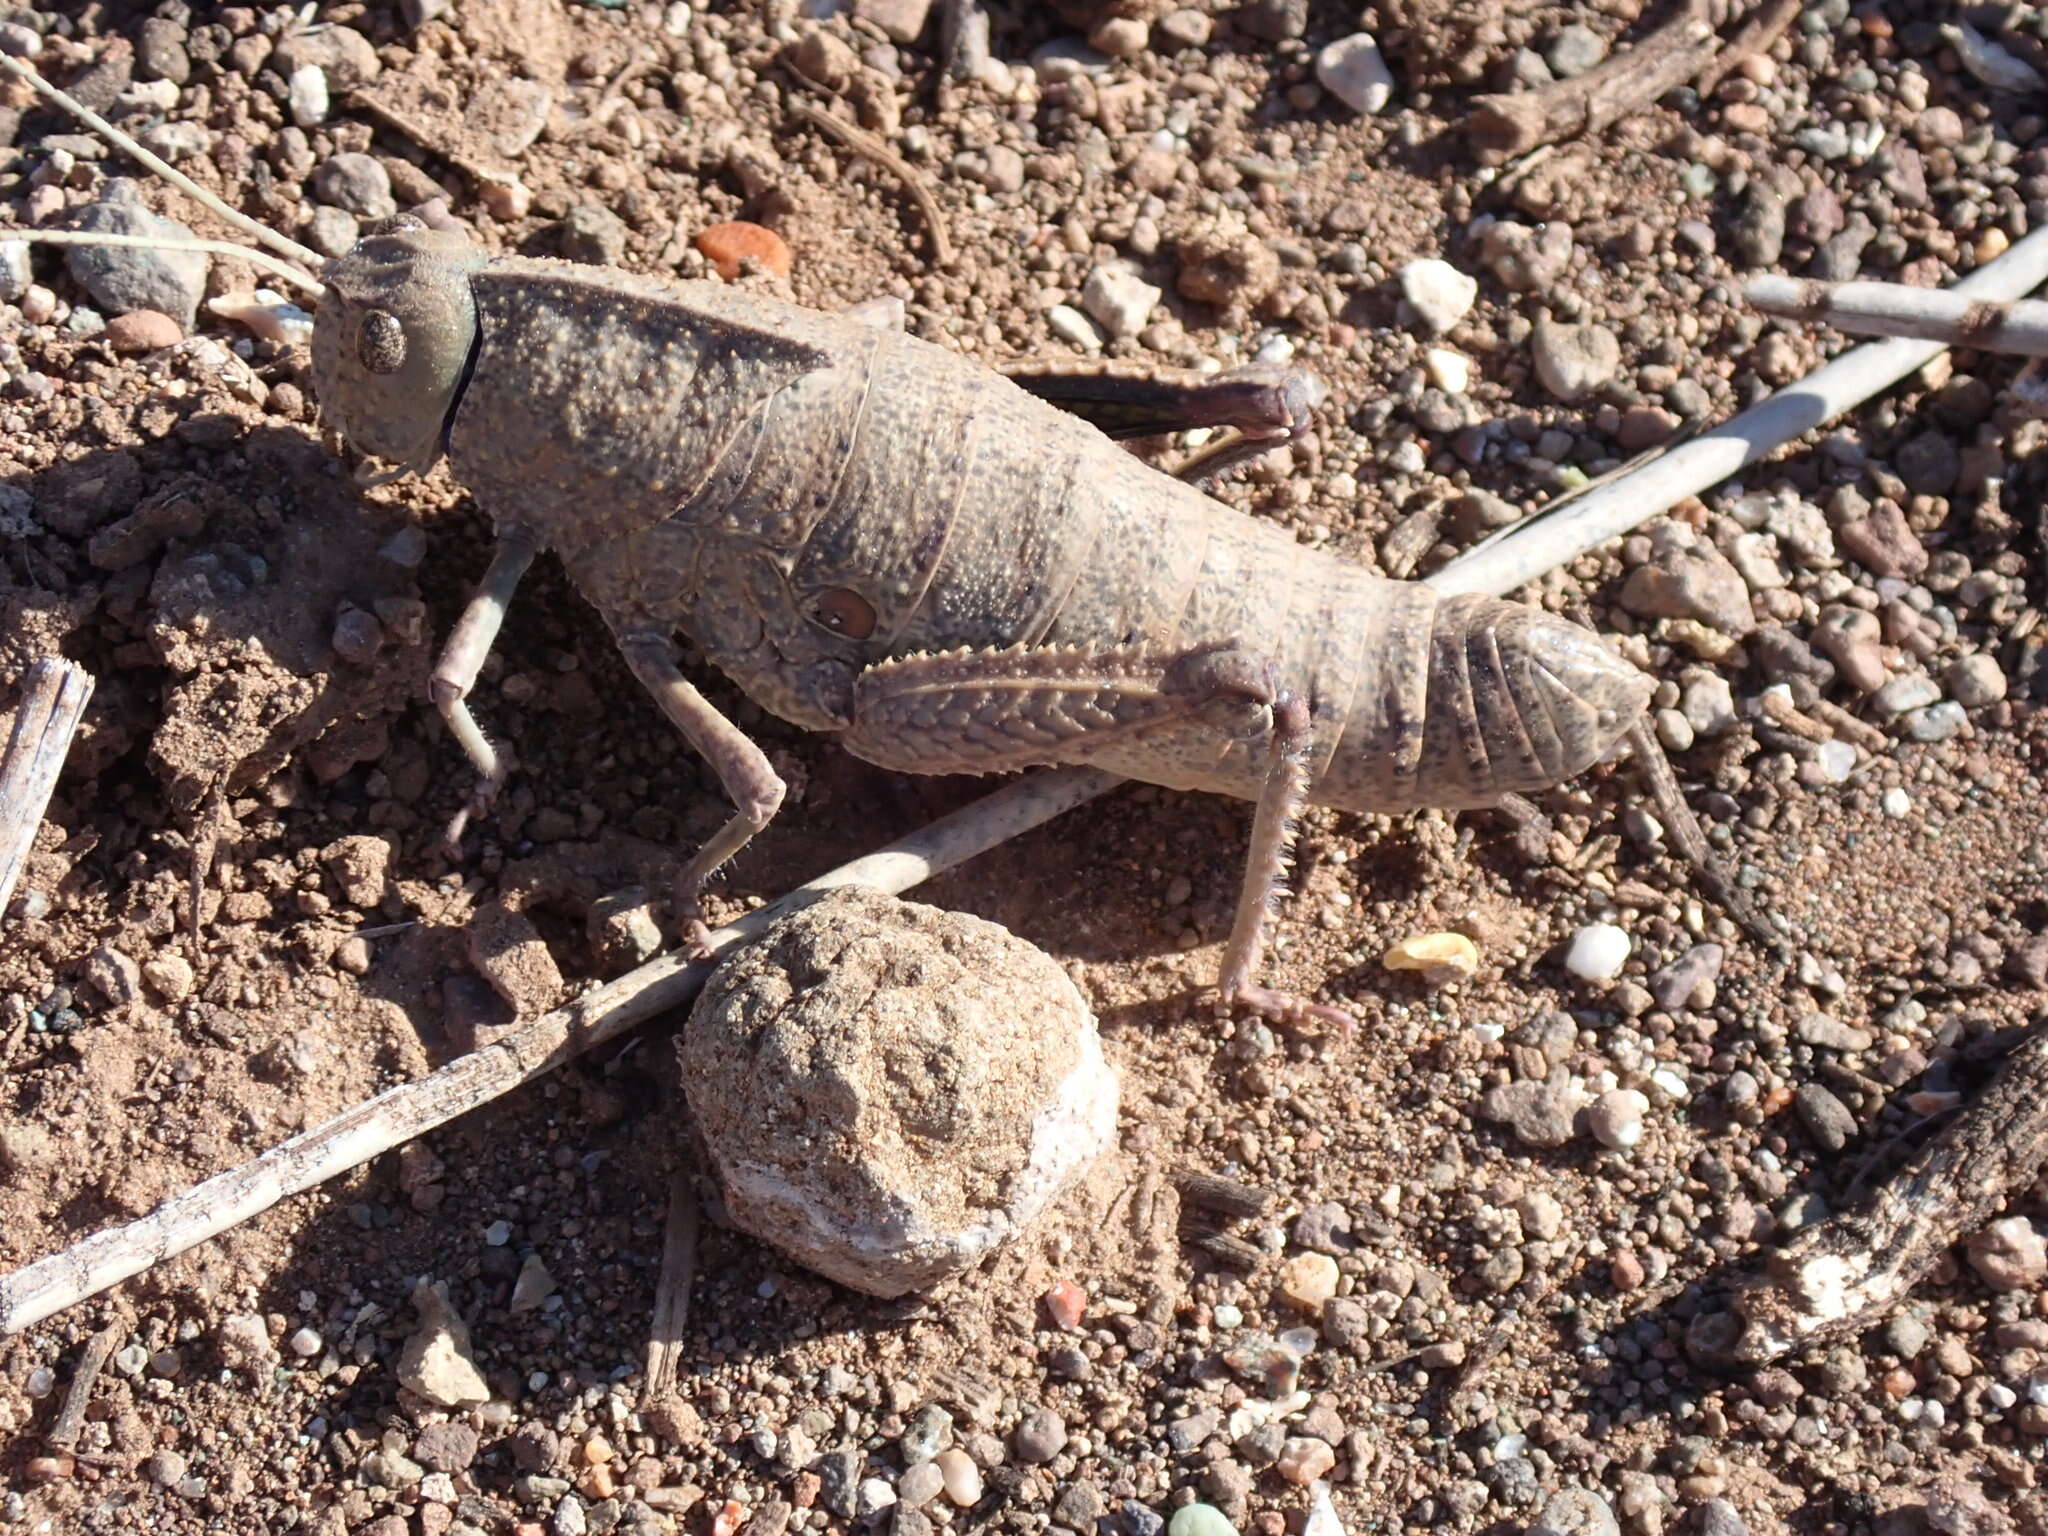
1038	706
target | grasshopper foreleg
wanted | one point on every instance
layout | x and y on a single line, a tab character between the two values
753	786
463	657
1034	706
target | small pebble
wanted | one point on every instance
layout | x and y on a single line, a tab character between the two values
1308	1280
1065	1303
728	247
308	95
305	1343
1574	360
1353	70
920	1484
1449	371
1598	952
142	330
1616	1118
1573	51
2009	1254
1199	1520
961	1477
1119	300
1972	681
1575	1512
1069	324
1305	1460
1039	1437
1438	292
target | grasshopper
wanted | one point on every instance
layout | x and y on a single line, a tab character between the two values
878	538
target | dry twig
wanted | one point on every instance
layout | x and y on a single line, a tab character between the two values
1846	1273
1502	127
672	1291
53	698
866	145
99	1349
1522	553
1949	316
1753	39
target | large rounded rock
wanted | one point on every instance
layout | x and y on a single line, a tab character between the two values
890	1091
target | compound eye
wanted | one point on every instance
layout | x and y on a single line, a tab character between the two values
380	342
844	613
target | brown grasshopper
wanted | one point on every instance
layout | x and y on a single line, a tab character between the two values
878	538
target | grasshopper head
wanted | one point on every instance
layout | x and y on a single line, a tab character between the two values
392	339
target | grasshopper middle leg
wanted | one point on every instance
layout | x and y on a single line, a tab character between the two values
752	784
1035	706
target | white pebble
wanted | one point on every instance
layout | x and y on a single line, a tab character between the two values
1449	371
1897	802
1352	70
963	1477
1671	1083
1438	292
1598	952
308	88
1322	1514
1616	1118
872	1497
15	276
1224	1315
1837	761
305	1343
1069	324
1119	300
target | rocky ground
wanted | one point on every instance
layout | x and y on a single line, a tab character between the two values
1458	1258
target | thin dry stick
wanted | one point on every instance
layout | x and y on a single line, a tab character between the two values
1753	39
261	233
78	1396
672	1292
1843	1274
399	1114
865	144
2019	327
1524	552
282	270
1502	127
53	699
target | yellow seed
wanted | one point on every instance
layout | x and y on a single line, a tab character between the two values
1440	957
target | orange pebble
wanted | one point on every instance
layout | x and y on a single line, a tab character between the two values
725	246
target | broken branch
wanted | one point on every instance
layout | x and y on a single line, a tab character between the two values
1502	127
2018	327
53	698
1846	1273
